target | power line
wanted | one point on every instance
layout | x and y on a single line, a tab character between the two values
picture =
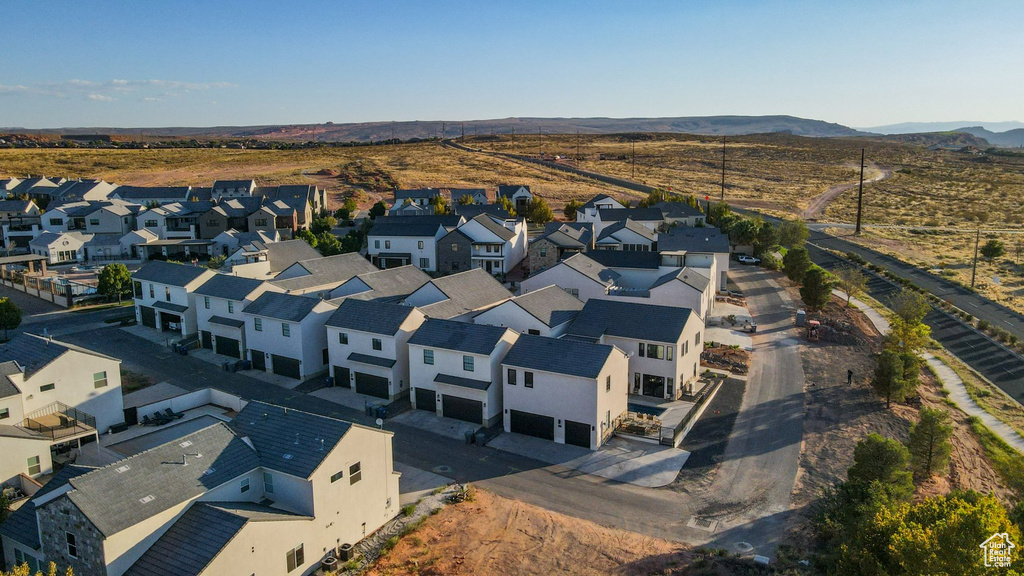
860	193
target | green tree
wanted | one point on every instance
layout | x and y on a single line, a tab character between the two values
882	460
725	224
10	315
929	442
216	262
896	375
506	205
655	196
816	290
743	232
793	233
323	224
796	263
379	209
115	280
440	205
308	236
465	200
910	306
5	507
850	280
571	208
992	249
717	211
539	212
328	244
907	338
765	237
352	242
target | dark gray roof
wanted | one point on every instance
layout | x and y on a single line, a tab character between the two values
392	284
628	224
328	270
153	192
288	440
170	306
371	360
288	307
32	352
591	269
366	316
495	228
167	273
685	238
569	234
637	214
686	275
593	201
413	226
419	193
462	382
228	287
139	487
470	211
283	254
631	320
559	356
625	259
458	336
7	387
467	292
222	184
223	321
22	526
678	209
16	205
510	189
551	305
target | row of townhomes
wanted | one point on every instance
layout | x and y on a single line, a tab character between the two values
96	221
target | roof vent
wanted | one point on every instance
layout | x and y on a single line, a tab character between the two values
147	499
287	456
123	469
186	444
296	438
209	471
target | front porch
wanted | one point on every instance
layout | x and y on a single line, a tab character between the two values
666	421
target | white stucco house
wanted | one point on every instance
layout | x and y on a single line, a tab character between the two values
401	241
696	247
164	296
567	391
219	304
495	244
60	247
544	312
627	235
590	211
458	296
285	334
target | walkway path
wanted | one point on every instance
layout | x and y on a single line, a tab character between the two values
951	381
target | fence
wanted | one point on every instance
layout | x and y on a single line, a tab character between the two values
50	288
68	421
672	436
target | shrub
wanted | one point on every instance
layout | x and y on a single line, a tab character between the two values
408	509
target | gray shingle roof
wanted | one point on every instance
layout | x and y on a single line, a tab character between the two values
687	276
458	336
509	189
288	307
418	193
470	211
631	320
179	308
684	238
228	287
324	271
199	535
371	360
16	205
112	496
628	224
626	259
559	356
462	382
287	440
678	209
153	192
7	387
168	273
32	352
426	226
223	321
372	317
591	269
494	228
593	201
392	284
551	305
467	292
635	214
283	254
22	525
570	234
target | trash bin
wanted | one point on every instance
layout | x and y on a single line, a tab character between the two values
330	382
382	412
469	437
369	409
246	364
227	366
801	317
481	436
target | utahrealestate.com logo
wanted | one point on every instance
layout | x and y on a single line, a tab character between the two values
998	550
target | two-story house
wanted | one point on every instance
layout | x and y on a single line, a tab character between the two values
367	343
627	235
650	218
664	342
60	247
219	304
114	217
274	217
177	220
590	211
153	195
485	242
518	194
698	248
455	369
319	276
567	391
420	197
227	214
396	241
459	296
232	189
544	312
475	195
164	295
285	334
391	285
560	241
681	213
20	221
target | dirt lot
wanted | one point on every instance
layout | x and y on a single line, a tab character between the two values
494	535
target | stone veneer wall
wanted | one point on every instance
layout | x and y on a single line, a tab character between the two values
61	516
550	258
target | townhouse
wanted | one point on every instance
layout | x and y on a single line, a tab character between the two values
474	195
627	235
681	214
176	220
567	391
232	189
20	221
261	494
394	241
53	397
455	369
420	197
285	334
164	296
544	312
74	191
518	194
459	296
560	241
219	304
153	195
306	200
227	214
391	285
485	242
696	247
274	217
367	344
663	342
257	259
650	218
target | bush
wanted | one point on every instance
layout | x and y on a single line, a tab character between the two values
770	262
983	325
408	509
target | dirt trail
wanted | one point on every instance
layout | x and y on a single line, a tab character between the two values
817	206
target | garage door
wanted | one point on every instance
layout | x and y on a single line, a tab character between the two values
463	409
425	400
259	360
148	316
285	366
532	424
207	340
229	347
371	385
342	377
577	433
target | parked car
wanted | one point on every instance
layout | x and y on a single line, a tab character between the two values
749	260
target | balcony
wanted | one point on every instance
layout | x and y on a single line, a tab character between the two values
60	422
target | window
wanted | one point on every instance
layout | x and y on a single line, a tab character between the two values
167	293
137	286
56	221
342	338
151	291
543	252
355	473
511	377
231	307
376	243
608	383
686	348
206	302
467	363
455	247
22	558
376	344
33	466
47	387
268	483
261	221
296	557
245	485
643	347
5	413
72	544
150	224
211	222
668	387
668	352
387	244
656	351
420	244
528	379
534	332
94	221
636	382
258	324
99	380
428	357
286	330
424	262
696	340
337	476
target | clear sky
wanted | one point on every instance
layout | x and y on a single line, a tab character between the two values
185	63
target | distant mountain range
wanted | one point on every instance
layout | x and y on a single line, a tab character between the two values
918	127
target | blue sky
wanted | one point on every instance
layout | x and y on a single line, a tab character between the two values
149	63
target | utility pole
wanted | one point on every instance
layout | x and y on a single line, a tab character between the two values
633	161
577	148
723	168
443	131
463	132
860	196
513	133
974	268
540	143
393	141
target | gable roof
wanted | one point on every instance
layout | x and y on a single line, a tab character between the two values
169	273
636	214
688	239
687	276
283	254
470	211
418	193
678	209
590	268
569	234
458	336
413	226
494	228
48	238
626	259
219	185
22	525
390	284
550	304
33	352
287	440
7	387
287	307
466	291
571	357
630	320
16	205
373	317
600	197
323	271
508	190
229	287
153	192
628	224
